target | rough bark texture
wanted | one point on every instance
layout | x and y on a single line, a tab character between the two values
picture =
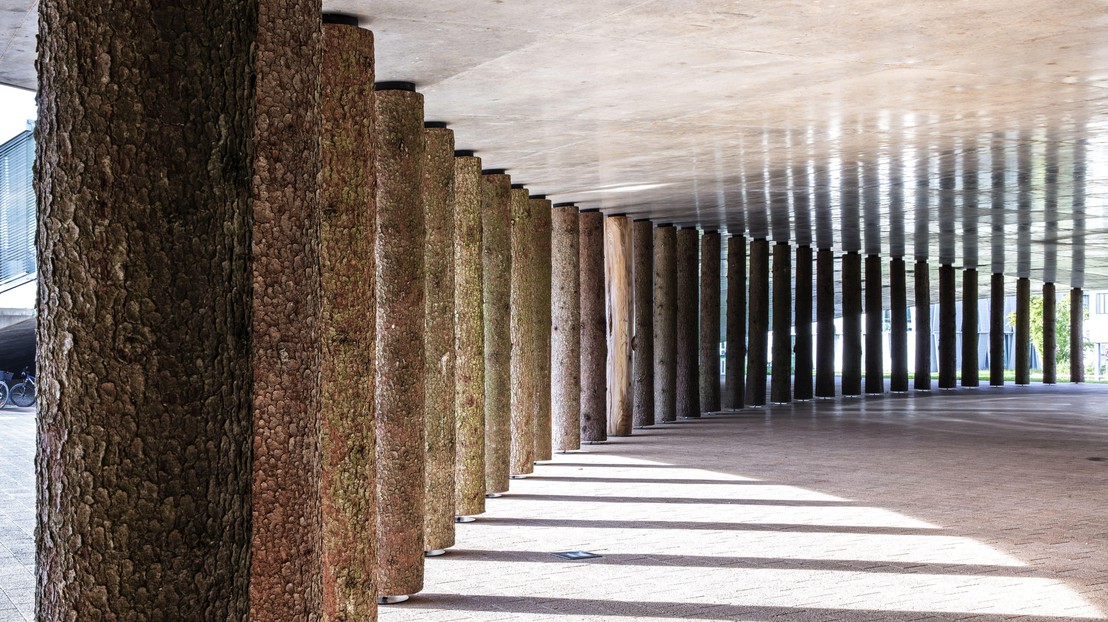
399	363
642	343
1077	335
852	324
688	375
825	323
875	320
565	331
970	374
469	341
496	244
524	358
923	327
898	337
1023	331
709	321
734	389
594	347
347	214
665	323
948	361
781	380
438	337
618	312
154	469
802	383
996	331
540	211
1050	332
757	324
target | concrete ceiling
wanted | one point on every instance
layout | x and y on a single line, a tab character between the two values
970	133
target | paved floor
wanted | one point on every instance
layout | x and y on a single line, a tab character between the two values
985	505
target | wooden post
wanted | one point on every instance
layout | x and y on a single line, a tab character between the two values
541	213
594	345
825	323
948	357
469	338
970	372
1077	335
757	324
496	265
1023	331
898	337
781	382
875	320
565	332
802	377
688	393
996	331
642	343
401	455
617	309
524	359
734	391
1050	332
923	327
665	323
852	324
709	321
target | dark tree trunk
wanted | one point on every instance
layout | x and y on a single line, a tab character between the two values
898	341
594	345
1023	331
852	324
758	324
948	357
923	327
802	384
1077	335
665	323
540	211
780	382
642	344
734	392
825	323
688	393
524	361
1050	331
565	330
875	320
709	321
496	219
970	374
996	331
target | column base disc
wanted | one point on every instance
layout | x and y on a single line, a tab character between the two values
493	495
464	519
434	552
391	600
517	477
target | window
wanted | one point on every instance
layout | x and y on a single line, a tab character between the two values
1102	304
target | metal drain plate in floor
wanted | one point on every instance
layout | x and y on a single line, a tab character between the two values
575	555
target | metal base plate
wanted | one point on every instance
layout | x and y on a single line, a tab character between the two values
434	552
391	600
517	477
493	495
464	519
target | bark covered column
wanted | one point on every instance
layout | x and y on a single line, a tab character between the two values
399	373
1077	335
709	321
898	337
802	383
996	331
617	310
970	373
875	319
594	345
565	331
852	324
172	197
1023	331
496	264
642	343
688	375
469	339
825	323
438	339
347	218
1050	332
734	391
948	358
665	323
923	327
757	323
524	359
541	212
781	382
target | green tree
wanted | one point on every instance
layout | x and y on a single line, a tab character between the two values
1062	329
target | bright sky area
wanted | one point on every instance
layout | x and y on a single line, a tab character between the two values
17	107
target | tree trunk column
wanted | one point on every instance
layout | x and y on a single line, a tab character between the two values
757	323
825	323
524	359
923	327
1050	332
1077	335
898	338
617	308
996	331
565	330
688	393
665	323
852	324
710	262
734	392
802	385
594	345
780	383
642	375
400	311
948	357
541	213
469	339
875	320
347	218
1023	331
496	266
970	372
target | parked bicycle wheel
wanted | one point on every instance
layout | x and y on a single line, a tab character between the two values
3	394
22	394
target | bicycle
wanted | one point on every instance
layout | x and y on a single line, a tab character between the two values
23	393
5	378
